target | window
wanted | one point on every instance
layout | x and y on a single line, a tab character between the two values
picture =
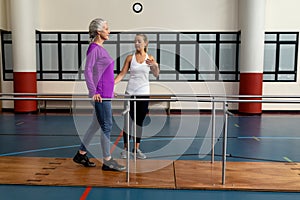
280	57
185	56
59	55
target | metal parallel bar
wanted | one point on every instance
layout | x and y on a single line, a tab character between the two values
127	109
134	132
212	99
151	99
126	113
42	94
224	143
213	131
81	99
169	95
224	95
236	100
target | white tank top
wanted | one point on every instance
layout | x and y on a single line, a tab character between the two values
139	78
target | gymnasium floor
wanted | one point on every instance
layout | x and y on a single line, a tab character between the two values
269	137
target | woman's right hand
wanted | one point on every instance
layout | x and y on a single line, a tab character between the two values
97	98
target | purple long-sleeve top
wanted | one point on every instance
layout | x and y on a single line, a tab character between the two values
99	72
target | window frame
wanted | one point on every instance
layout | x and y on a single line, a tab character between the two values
161	38
278	43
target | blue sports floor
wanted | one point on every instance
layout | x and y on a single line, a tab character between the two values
269	137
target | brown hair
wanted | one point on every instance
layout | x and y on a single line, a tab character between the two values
145	38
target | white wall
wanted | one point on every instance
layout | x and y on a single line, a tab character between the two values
3	14
166	14
283	15
191	15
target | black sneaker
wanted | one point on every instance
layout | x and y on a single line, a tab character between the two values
112	165
83	159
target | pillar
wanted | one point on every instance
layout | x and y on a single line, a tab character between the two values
252	25
24	52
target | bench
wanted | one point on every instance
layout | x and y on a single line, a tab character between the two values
168	107
44	103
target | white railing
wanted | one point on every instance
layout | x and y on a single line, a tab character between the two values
213	99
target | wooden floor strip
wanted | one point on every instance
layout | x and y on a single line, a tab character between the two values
256	176
181	174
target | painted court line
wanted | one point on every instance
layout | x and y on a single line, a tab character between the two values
88	189
38	150
144	140
270	137
77	145
116	142
86	193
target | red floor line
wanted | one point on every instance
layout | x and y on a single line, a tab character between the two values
116	142
88	189
85	193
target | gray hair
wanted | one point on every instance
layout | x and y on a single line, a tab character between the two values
95	26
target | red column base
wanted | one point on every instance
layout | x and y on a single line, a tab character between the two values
25	82
251	84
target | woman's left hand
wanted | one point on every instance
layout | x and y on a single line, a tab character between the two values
97	98
150	63
153	66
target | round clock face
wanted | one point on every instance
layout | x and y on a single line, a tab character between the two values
137	7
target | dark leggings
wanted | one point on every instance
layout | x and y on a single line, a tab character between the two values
141	112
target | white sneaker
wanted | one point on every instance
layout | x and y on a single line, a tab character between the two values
124	154
140	154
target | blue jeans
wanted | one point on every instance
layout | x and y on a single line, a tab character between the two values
102	116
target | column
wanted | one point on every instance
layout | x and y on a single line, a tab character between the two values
252	26
24	52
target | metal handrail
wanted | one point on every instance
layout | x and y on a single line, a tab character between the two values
225	99
172	97
171	100
158	94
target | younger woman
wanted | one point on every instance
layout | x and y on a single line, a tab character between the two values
139	64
